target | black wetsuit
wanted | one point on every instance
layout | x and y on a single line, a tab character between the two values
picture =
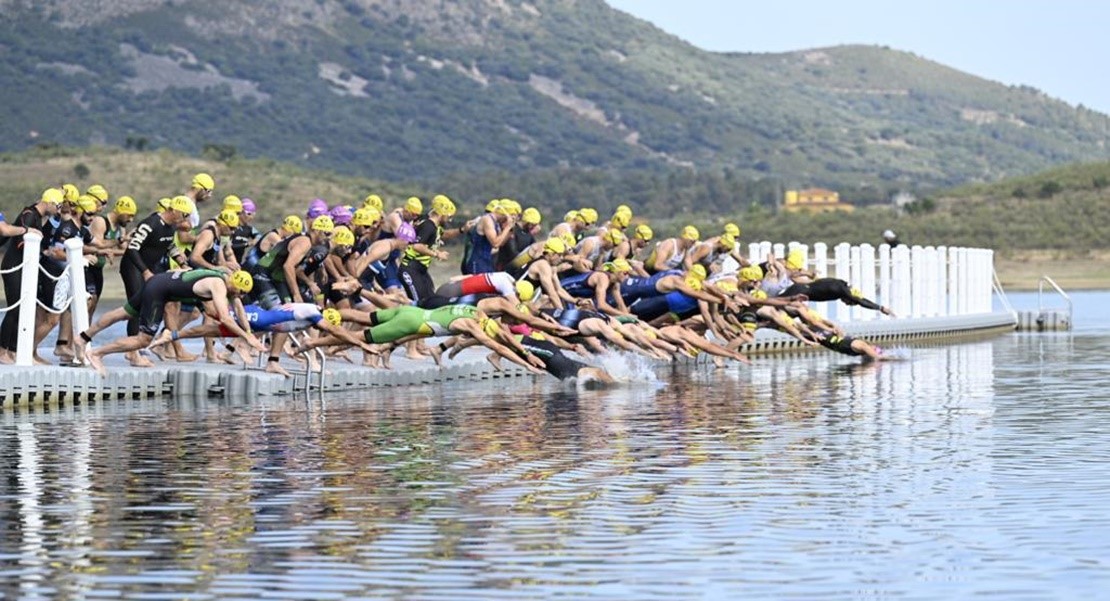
147	250
30	218
555	362
66	229
830	289
840	344
436	301
148	307
243	238
415	278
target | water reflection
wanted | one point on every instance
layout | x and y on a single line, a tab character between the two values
798	476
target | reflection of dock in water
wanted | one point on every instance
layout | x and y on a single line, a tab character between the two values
938	293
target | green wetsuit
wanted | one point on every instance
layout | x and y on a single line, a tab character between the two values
399	322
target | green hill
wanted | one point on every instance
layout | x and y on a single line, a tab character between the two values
465	91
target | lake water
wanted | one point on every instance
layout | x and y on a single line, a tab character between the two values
970	469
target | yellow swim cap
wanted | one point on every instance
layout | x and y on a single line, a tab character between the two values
570	216
229	218
751	273
374	201
643	232
333	316
621	220
443	205
233	203
125	205
413	205
857	293
293	224
323	223
490	327
343	236
367	216
587	215
164	204
555	245
732	228
795	259
52	196
182	204
98	192
87	204
525	291
242	281
614	236
203	181
531	216
759	294
694	283
691	233
618	266
70	193
726	242
698	271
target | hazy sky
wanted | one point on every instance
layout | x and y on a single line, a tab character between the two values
1060	47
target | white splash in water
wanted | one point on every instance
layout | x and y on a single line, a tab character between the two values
628	367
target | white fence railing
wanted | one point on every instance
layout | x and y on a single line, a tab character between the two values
929	281
76	297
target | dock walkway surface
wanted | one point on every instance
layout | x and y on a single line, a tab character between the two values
55	384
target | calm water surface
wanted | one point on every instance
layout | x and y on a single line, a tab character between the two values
972	469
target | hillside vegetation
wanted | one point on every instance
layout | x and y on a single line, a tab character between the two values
1072	220
433	91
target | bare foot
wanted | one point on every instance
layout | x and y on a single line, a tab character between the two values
245	352
186	357
223	359
163	337
64	354
141	361
437	355
6	358
94	362
273	367
40	361
494	360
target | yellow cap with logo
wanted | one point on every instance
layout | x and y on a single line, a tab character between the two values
414	205
691	233
643	232
229	218
182	204
373	201
125	205
343	236
324	224
367	216
332	316
242	281
233	203
293	224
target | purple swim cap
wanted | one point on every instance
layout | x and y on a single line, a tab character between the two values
317	208
406	232
341	215
248	206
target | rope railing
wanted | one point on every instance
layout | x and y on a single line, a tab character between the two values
13	268
16	305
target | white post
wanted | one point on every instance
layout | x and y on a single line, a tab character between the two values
966	289
988	287
954	291
917	273
75	263
854	280
843	272
821	270
903	292
930	281
28	297
867	277
780	250
884	278
942	281
753	253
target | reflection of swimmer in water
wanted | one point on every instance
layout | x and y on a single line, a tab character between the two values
853	347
